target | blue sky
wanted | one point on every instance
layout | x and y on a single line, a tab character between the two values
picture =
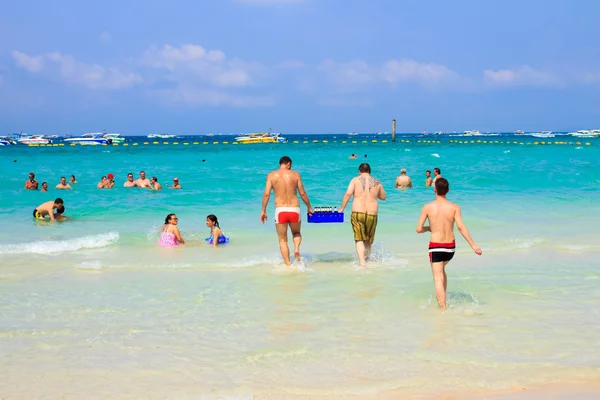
299	66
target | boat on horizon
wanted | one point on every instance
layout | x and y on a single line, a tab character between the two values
519	132
160	136
35	139
591	134
114	137
543	134
6	141
261	137
89	139
472	133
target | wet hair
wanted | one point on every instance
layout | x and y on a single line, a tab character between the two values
365	156
129	174
44	183
214	219
60	210
428	171
437	170
104	177
73	176
168	218
59	201
143	172
442	186
285	160
364	167
154	179
62	177
32	175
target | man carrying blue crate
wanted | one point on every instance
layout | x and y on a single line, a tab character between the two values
286	184
366	191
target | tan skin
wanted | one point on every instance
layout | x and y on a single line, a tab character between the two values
44	187
286	185
155	185
130	182
173	228
63	185
364	201
102	184
442	216
47	209
215	231
73	180
428	181
403	181
175	185
143	182
31	184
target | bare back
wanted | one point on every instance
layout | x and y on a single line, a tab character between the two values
442	215
285	184
366	190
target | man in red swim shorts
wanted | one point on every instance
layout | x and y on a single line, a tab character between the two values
442	215
286	184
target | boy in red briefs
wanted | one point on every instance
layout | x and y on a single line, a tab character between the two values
442	215
286	184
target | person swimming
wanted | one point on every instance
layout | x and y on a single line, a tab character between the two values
170	235
216	234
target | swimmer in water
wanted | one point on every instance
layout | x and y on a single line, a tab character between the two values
63	185
31	183
428	180
155	184
170	235
47	209
442	216
130	182
44	187
73	180
403	181
176	184
216	234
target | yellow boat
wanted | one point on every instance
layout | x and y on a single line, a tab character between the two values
263	137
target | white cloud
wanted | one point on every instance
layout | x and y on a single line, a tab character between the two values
68	69
356	75
207	66
105	37
522	76
194	96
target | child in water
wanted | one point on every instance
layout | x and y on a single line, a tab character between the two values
216	234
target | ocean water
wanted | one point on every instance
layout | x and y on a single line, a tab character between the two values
94	308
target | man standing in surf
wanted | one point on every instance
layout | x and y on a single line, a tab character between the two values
442	215
286	184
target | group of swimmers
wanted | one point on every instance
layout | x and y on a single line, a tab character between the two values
171	236
404	182
106	182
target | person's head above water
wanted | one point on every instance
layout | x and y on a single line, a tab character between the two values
171	219
442	187
436	171
286	161
60	209
364	168
211	220
59	201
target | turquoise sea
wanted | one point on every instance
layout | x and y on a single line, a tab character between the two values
94	308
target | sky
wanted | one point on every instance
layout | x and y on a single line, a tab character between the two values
298	66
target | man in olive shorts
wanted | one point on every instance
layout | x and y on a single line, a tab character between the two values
366	191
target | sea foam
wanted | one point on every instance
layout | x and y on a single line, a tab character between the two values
61	246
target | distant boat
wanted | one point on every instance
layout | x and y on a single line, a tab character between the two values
6	141
35	139
519	132
543	134
472	133
352	133
160	136
262	137
90	139
586	134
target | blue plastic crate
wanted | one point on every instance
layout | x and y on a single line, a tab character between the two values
323	218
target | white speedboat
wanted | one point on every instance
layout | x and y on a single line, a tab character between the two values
35	139
352	133
543	134
263	137
6	141
114	137
160	136
519	132
586	134
89	139
472	133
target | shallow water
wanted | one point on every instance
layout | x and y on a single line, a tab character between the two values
95	300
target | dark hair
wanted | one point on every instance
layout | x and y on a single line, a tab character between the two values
168	218
104	177
364	167
365	155
285	160
143	172
437	170
73	176
428	171
32	174
59	201
60	210
62	177
129	174
442	186
214	219
44	183
154	179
